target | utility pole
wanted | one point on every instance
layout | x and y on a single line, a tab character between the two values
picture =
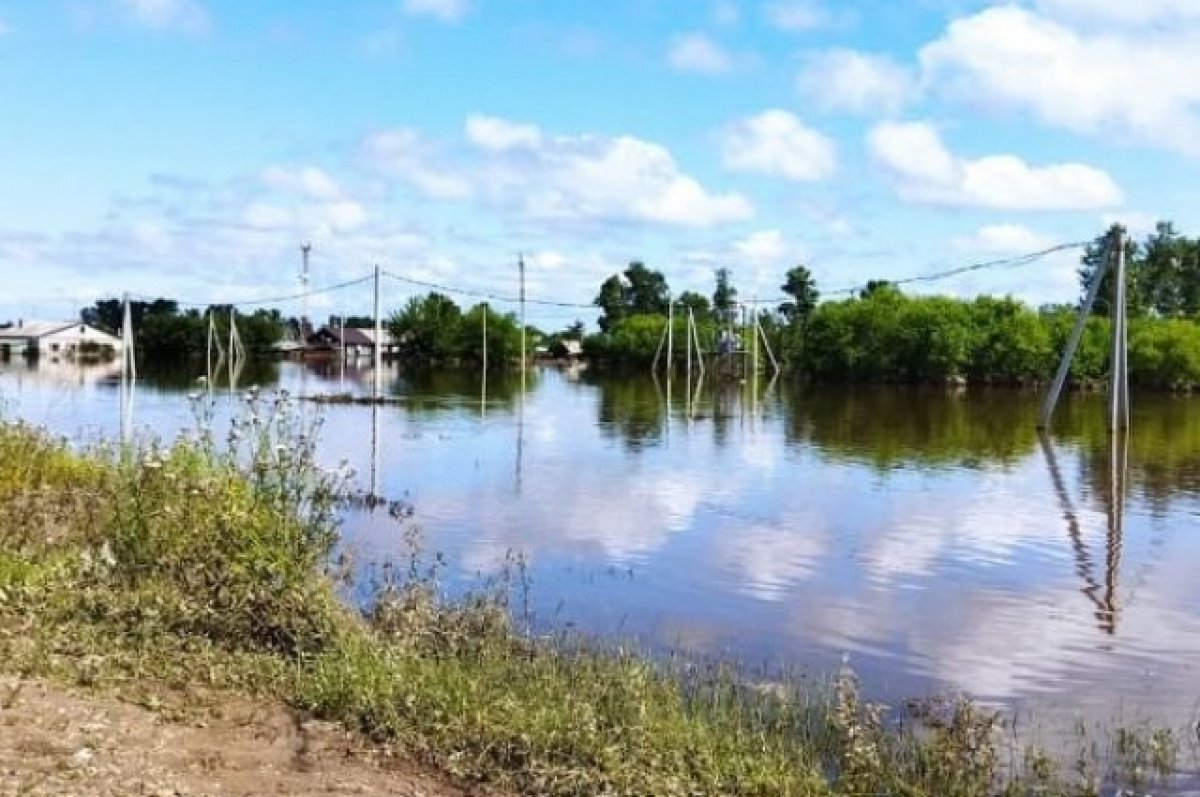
670	336
521	266
1119	375
1114	248
378	382
305	250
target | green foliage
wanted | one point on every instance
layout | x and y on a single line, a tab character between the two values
890	337
638	291
1162	273
200	565
432	330
724	300
800	285
163	333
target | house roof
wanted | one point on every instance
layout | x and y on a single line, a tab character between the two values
35	329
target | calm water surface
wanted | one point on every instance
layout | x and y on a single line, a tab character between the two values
930	538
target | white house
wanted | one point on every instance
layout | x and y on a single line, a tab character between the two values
68	340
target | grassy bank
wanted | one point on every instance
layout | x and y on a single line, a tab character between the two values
203	567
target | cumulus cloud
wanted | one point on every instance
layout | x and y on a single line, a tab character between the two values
449	11
849	80
564	178
405	155
927	172
1004	239
777	143
697	53
500	135
1122	12
183	16
1116	83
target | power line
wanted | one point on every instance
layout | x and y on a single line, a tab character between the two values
269	300
1017	261
485	295
1010	262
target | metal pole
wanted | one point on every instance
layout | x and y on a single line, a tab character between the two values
1064	366
1116	374
689	347
305	249
755	333
521	266
1124	383
378	381
699	351
670	337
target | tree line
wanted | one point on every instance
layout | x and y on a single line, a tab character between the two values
884	335
162	331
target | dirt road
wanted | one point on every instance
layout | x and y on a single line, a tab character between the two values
56	742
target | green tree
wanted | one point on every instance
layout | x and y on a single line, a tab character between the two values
800	285
503	337
611	301
696	302
647	291
428	329
724	298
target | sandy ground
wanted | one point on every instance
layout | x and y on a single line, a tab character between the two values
56	742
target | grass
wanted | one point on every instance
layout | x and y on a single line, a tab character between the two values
171	572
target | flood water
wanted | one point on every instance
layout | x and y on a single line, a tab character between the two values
929	537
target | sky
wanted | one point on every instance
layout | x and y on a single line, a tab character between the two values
188	148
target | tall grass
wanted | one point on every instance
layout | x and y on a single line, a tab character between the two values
206	563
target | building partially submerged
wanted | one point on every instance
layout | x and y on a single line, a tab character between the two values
58	340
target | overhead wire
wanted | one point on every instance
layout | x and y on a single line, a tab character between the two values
1008	262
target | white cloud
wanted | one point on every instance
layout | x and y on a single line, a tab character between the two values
450	11
1122	12
1119	84
620	179
1004	239
763	246
499	135
849	80
777	143
796	16
184	16
404	154
581	178
308	181
927	172
695	52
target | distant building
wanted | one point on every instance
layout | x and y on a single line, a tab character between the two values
66	340
355	341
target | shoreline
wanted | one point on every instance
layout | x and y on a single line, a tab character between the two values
188	567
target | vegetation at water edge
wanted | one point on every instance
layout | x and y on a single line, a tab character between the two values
209	564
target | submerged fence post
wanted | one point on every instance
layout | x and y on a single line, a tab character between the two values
1064	366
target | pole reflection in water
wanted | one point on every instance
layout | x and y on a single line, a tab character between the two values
1103	596
128	386
375	442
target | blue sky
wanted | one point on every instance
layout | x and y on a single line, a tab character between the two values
187	147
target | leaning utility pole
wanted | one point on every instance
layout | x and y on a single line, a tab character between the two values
1114	248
